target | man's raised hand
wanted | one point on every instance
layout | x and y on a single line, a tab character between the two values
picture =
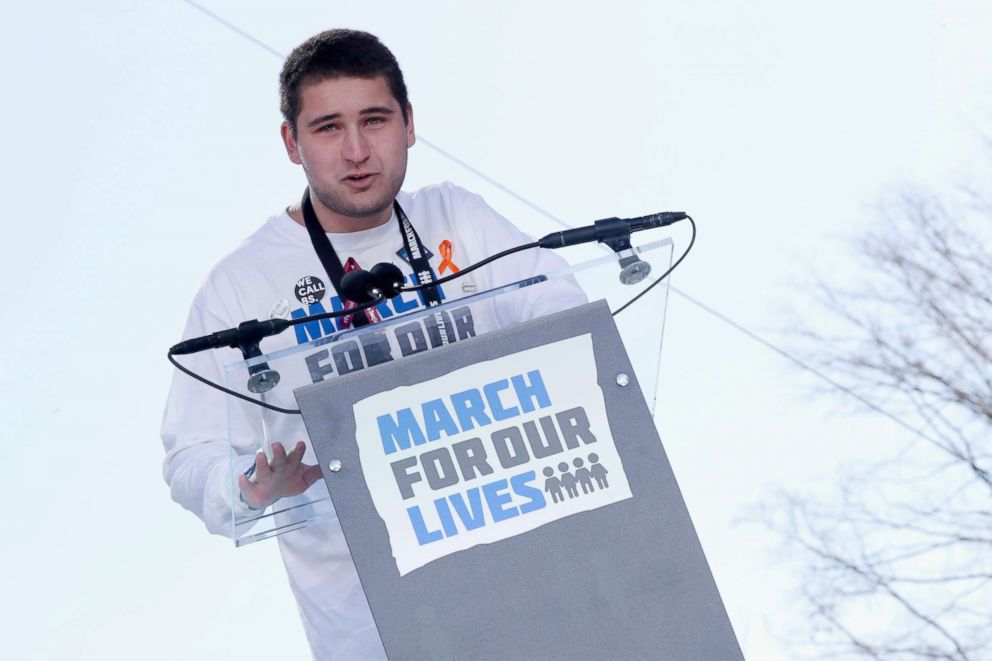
283	475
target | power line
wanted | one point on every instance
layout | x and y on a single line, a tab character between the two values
420	138
800	363
234	28
547	214
490	180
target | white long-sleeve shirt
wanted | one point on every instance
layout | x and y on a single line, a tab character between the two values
275	272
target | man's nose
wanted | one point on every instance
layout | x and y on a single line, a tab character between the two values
356	147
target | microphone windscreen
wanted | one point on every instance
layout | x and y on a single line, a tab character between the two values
388	278
355	286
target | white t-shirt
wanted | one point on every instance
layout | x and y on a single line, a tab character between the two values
275	272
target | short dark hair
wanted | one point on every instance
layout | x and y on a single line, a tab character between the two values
335	54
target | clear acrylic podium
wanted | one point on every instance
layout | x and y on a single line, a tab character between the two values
470	315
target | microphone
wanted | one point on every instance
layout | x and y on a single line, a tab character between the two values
615	232
389	277
247	332
382	281
360	286
261	378
609	229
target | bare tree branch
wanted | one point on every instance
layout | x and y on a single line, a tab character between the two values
900	566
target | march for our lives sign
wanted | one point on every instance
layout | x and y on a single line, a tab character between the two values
489	451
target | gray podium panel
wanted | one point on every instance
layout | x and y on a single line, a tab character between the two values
626	579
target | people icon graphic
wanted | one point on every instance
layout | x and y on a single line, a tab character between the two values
598	471
583	475
570	482
552	485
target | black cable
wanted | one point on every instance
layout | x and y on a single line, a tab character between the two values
469	269
292	322
201	379
336	313
372	303
341	313
562	223
663	275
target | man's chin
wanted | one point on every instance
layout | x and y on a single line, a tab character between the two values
352	209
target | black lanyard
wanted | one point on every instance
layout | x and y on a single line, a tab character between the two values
422	270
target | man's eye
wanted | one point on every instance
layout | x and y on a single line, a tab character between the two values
375	121
327	128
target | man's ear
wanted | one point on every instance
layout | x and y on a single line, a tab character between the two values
411	137
288	139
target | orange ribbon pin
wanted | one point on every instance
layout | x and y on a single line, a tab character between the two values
446	262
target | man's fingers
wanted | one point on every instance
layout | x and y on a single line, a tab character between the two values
297	453
311	474
278	455
261	465
245	484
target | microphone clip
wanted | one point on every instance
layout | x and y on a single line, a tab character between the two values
261	377
615	233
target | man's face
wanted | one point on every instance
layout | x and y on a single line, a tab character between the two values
352	143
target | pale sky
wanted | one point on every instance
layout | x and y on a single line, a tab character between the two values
142	144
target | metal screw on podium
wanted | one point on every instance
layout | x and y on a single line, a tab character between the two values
334	466
623	379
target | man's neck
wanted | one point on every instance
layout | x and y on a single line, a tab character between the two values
335	223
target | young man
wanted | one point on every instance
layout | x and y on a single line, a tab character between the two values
349	124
